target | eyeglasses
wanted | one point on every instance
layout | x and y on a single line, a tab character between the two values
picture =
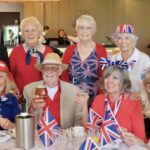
81	28
29	31
50	68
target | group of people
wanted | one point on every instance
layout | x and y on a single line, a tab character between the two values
121	81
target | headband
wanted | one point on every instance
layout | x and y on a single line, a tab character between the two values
104	62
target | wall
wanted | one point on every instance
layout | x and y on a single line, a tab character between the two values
12	7
108	14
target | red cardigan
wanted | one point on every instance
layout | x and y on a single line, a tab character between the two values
129	115
100	50
23	73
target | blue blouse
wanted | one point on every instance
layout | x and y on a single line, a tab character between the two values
9	107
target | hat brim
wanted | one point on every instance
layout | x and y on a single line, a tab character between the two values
39	66
115	34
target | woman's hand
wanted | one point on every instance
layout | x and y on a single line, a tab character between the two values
133	96
17	93
6	124
131	139
81	99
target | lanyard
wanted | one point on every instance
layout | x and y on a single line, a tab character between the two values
117	104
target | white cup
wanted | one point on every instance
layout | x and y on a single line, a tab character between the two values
12	132
78	131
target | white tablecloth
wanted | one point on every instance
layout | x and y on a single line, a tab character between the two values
62	144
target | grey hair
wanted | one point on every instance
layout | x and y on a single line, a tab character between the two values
125	83
86	20
133	37
31	21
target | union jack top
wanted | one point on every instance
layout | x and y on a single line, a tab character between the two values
85	73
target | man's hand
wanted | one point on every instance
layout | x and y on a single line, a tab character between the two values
37	103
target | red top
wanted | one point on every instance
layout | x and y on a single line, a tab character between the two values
23	73
54	106
100	50
129	114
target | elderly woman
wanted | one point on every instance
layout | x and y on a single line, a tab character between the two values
145	96
25	56
8	102
128	113
83	58
126	40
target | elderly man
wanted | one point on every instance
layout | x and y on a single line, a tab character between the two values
61	95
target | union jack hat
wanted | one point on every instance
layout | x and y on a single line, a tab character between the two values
125	28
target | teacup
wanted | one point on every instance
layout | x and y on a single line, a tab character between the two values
78	131
12	132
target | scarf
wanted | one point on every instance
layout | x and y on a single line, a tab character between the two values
39	56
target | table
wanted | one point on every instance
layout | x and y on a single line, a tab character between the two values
62	144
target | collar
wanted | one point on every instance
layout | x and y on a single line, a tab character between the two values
135	56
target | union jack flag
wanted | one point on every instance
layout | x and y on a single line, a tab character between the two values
110	129
48	129
104	62
89	144
94	119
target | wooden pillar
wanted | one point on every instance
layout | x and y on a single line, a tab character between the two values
34	9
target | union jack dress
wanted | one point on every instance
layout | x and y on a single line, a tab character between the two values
85	73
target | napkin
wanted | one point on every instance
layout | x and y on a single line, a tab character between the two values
4	137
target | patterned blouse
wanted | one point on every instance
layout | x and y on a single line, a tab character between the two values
85	74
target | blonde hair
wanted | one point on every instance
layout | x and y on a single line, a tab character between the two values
86	20
10	85
31	21
146	96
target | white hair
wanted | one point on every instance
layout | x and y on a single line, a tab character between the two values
86	20
133	37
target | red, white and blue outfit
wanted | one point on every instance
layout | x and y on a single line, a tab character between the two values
142	62
85	74
128	115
